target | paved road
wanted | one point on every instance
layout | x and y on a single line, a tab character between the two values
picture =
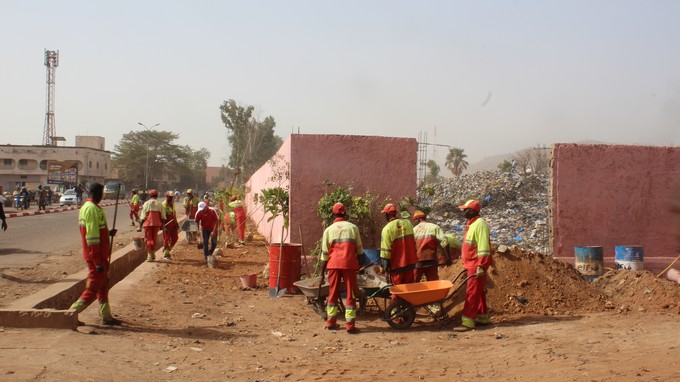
29	239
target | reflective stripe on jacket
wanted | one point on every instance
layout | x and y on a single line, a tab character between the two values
170	214
340	245
398	245
476	251
92	220
153	213
428	238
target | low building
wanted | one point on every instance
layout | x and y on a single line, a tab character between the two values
62	166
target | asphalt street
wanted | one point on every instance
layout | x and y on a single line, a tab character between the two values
30	239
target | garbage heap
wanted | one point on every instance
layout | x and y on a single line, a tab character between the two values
514	205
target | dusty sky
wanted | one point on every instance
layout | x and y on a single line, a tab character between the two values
491	76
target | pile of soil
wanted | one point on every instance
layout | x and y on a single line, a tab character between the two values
639	291
527	283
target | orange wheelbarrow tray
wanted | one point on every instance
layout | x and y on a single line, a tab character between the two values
401	313
427	292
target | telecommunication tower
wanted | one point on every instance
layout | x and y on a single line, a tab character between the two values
49	133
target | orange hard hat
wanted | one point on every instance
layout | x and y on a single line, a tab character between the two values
389	209
419	215
153	192
233	197
472	205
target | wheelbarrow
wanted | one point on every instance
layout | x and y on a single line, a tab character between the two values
190	229
436	297
316	297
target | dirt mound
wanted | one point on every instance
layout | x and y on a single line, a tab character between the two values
529	283
535	284
639	291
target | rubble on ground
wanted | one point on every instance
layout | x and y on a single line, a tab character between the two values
515	206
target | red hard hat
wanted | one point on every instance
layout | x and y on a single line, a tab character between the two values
153	192
419	215
339	209
389	209
233	197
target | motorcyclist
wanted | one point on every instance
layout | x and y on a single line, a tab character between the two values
26	197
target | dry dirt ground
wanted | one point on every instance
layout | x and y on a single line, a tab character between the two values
184	321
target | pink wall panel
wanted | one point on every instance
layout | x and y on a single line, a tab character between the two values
384	165
258	181
609	195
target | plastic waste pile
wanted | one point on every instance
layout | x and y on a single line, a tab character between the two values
514	205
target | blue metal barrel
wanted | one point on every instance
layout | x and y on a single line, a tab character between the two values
629	257
589	262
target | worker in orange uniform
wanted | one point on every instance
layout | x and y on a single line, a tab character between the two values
171	227
340	248
398	247
191	204
153	218
134	207
94	233
476	257
429	237
237	205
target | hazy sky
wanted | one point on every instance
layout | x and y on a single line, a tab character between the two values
492	76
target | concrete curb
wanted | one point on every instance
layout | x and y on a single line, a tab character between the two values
20	214
48	308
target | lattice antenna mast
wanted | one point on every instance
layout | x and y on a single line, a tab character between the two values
49	133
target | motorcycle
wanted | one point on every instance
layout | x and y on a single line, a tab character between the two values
25	201
17	202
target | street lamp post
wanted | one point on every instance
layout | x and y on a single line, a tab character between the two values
146	169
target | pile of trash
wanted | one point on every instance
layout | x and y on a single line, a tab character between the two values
514	205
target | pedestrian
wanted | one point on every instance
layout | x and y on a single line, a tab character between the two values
237	205
207	220
191	204
429	238
177	194
94	233
171	227
2	217
398	247
79	194
153	218
476	257
340	251
41	195
134	207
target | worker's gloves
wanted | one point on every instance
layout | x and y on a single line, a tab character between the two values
99	268
113	232
480	271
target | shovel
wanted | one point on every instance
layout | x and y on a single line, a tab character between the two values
276	292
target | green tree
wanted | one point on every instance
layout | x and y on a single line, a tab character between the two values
433	172
455	161
252	142
505	166
169	165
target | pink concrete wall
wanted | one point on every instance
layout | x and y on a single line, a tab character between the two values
609	195
383	165
258	181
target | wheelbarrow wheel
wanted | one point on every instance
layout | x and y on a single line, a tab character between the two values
400	315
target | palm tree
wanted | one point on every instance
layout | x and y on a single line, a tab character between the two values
455	161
